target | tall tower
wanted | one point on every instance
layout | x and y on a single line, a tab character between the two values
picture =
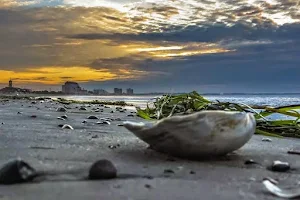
10	83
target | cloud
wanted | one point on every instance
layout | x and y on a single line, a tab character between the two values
214	43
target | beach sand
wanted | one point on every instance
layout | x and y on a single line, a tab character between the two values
44	145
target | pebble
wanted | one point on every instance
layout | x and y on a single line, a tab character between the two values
33	116
16	171
60	125
92	117
266	140
82	108
67	126
130	115
61	109
102	169
112	111
112	146
95	136
279	166
118	119
192	172
120	125
64	116
84	121
250	162
294	152
19	113
106	107
168	171
148	186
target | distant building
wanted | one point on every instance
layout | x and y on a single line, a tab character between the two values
100	92
73	88
129	91
118	91
10	84
13	90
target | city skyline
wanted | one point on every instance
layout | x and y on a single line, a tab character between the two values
152	46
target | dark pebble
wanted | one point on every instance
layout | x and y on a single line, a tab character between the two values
95	136
279	166
112	111
82	108
250	162
92	117
130	115
192	172
148	186
168	171
112	146
120	125
33	116
294	152
19	113
2	123
64	116
102	169
84	121
16	171
148	177
60	125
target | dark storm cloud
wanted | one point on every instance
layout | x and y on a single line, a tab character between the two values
212	33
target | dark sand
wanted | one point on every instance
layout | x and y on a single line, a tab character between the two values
44	145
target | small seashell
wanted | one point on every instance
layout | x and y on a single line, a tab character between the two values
92	117
60	118
283	193
266	140
279	166
205	133
104	122
67	126
16	171
61	109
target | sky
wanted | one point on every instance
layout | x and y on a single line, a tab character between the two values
152	45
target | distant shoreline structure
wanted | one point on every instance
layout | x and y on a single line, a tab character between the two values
76	90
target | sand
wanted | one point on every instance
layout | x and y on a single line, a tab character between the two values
42	143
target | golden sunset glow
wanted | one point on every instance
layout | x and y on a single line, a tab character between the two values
58	75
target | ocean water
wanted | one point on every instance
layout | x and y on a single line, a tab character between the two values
139	100
270	100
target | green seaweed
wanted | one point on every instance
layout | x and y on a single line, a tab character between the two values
169	105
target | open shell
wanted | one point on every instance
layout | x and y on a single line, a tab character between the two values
205	133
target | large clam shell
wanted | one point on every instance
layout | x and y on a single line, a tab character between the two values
205	133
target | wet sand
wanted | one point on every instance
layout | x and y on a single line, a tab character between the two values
42	143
